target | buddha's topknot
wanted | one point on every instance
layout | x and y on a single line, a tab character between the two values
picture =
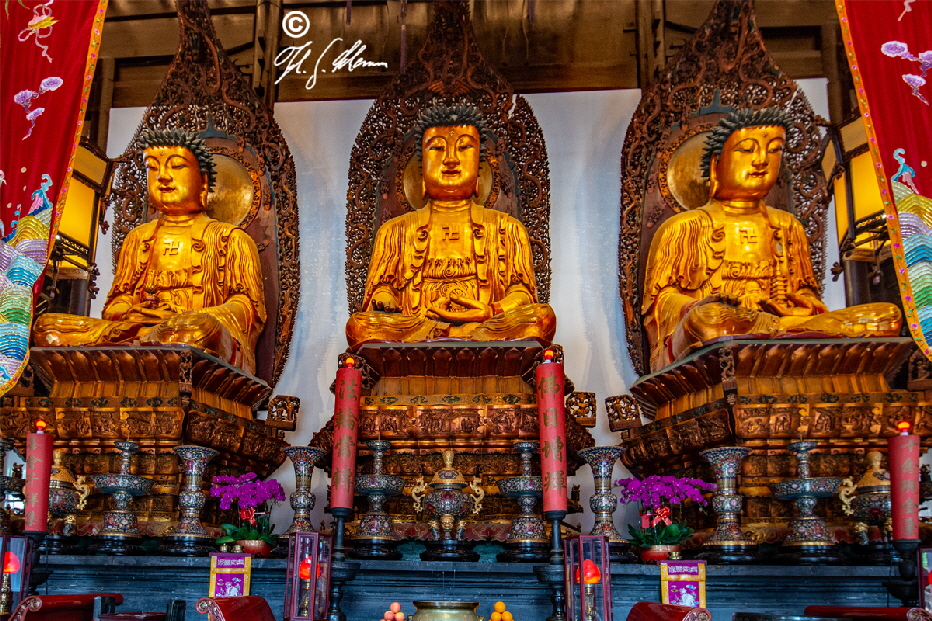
181	138
740	119
438	115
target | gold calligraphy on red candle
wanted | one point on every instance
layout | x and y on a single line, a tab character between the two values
551	410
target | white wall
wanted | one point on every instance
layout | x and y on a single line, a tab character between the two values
584	132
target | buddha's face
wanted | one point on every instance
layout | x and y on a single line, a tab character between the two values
176	184
450	161
749	163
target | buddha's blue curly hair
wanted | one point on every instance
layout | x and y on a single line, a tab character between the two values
740	119
188	140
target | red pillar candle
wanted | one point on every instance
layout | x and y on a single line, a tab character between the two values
345	433
551	409
38	475
904	483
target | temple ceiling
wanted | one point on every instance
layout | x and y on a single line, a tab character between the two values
566	45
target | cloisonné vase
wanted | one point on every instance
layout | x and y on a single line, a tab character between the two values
727	545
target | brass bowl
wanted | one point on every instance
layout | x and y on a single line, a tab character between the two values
446	611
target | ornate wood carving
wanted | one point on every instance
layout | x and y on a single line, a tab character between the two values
516	178
204	92
725	65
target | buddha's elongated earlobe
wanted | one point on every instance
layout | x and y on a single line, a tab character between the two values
713	180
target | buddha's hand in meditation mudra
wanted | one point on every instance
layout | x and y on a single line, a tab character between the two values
452	269
736	266
183	278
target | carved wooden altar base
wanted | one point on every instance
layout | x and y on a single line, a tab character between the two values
474	398
158	397
767	393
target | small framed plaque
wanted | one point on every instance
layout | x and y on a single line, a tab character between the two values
230	573
683	583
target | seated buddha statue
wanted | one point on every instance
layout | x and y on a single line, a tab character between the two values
183	278
736	266
452	269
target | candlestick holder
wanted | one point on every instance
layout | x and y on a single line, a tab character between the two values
554	572
906	587
341	571
120	533
189	538
374	538
527	539
727	545
67	496
603	502
809	541
8	484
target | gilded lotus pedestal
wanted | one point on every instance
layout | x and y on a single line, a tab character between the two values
527	540
809	541
727	545
603	502
120	533
189	538
374	538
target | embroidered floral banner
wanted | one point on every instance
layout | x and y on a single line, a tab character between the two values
889	48
48	51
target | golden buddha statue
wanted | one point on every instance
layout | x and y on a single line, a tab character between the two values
183	278
736	266
452	269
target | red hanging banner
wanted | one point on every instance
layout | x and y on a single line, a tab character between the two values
48	51
888	44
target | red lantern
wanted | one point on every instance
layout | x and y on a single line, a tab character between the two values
589	599
307	587
16	552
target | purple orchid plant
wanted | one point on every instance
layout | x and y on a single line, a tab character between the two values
249	493
656	494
